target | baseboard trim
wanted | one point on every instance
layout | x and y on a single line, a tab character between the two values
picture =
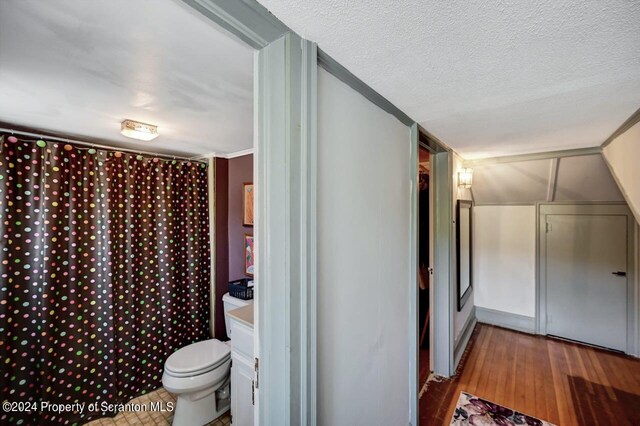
506	320
460	344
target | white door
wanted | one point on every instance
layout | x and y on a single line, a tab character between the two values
586	275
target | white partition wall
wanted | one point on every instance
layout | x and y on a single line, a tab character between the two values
504	259
364	195
336	225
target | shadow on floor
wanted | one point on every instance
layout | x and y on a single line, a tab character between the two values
595	404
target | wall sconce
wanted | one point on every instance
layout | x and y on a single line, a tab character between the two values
465	178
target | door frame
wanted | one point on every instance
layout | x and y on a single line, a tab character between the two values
441	298
283	86
285	179
284	121
441	289
586	208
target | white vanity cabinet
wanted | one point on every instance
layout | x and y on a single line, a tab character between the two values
242	366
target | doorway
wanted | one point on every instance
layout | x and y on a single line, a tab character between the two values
435	357
424	264
586	271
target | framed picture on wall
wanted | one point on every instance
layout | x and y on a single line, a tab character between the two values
247	204
249	257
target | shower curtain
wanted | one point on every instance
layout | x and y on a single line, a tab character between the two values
104	272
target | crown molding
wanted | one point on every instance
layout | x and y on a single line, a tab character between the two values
235	154
629	123
534	156
227	156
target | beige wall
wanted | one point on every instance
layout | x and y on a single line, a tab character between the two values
623	157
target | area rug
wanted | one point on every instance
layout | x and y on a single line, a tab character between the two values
471	410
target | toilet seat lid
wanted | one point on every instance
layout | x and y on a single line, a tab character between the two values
201	356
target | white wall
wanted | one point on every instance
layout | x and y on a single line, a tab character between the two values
364	174
504	258
459	318
622	156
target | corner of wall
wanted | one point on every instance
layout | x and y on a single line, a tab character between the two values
460	343
621	155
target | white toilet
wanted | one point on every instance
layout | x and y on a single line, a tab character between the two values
199	375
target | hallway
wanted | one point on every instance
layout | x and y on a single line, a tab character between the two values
561	382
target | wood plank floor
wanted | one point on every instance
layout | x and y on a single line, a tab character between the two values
561	382
423	367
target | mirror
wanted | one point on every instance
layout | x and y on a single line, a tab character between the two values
463	243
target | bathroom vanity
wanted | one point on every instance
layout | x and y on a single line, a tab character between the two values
242	366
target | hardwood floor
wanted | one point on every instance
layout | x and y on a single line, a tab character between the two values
423	367
561	382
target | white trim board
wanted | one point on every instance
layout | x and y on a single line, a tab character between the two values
228	156
443	302
285	229
506	319
236	154
414	398
546	155
462	341
246	19
629	123
211	194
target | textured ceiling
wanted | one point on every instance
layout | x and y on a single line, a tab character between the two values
488	77
81	67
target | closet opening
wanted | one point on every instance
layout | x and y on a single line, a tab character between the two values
425	270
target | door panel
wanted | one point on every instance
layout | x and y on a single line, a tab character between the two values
585	300
241	391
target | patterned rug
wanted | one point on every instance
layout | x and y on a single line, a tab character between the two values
471	410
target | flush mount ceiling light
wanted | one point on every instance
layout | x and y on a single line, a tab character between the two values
136	130
465	178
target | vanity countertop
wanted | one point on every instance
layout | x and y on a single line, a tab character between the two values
244	315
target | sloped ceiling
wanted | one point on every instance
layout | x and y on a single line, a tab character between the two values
579	178
622	156
81	67
585	178
519	182
489	78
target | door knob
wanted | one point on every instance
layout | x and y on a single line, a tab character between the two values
620	273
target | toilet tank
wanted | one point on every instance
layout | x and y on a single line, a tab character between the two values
230	303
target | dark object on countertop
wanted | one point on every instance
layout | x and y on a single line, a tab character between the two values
241	288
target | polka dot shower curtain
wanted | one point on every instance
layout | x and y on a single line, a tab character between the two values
104	270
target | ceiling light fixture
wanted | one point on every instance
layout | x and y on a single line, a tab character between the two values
137	130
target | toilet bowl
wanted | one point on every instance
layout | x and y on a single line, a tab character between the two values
198	374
